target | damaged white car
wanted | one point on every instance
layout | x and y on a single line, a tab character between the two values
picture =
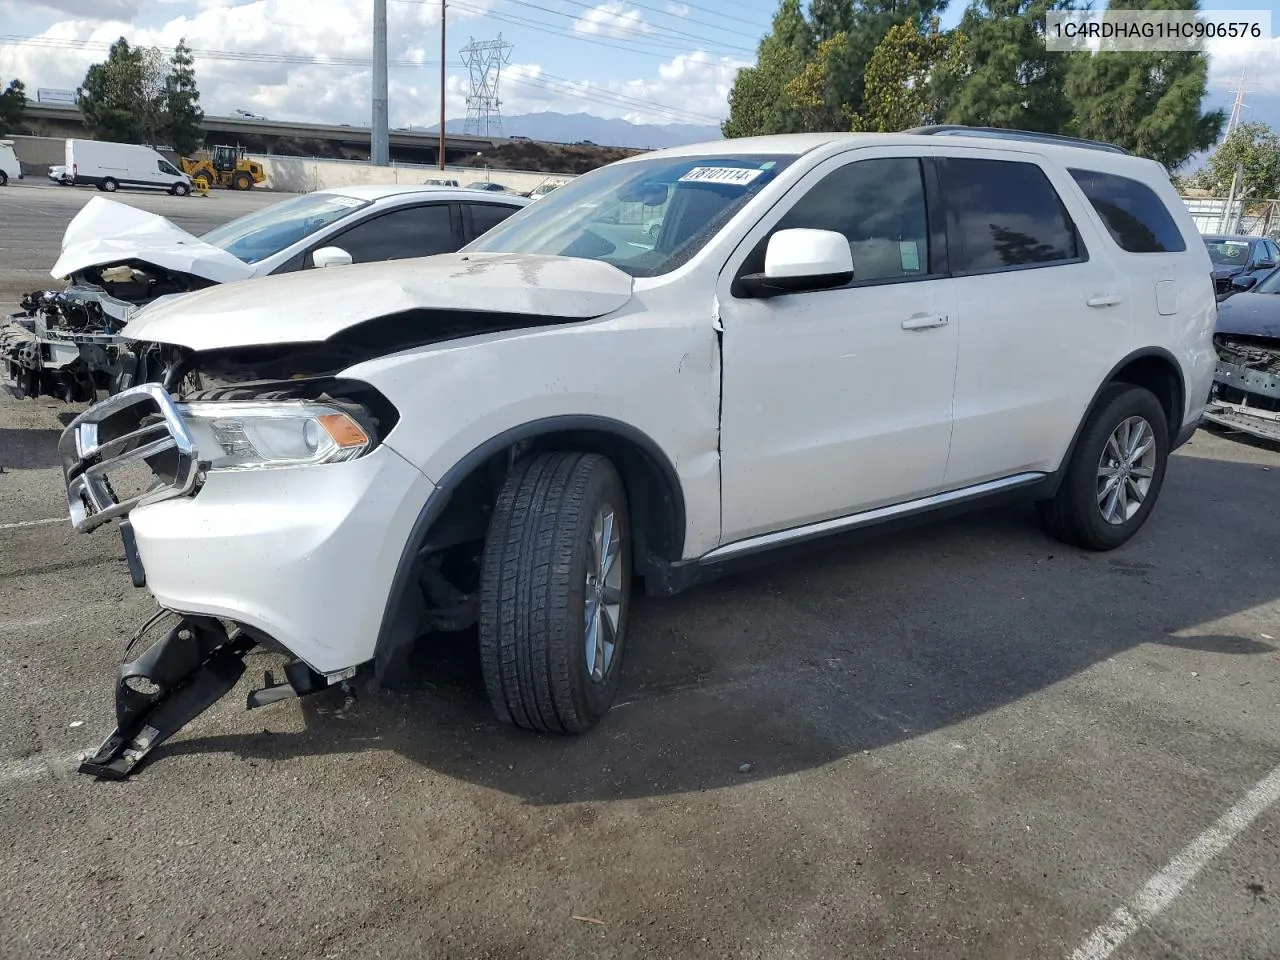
118	259
824	333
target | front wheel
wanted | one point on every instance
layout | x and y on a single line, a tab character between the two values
1115	474
555	592
180	190
4	179
242	181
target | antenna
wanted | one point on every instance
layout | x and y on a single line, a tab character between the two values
484	61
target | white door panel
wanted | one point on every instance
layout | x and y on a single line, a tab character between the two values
831	406
1037	335
837	401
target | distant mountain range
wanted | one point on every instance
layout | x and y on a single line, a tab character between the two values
575	127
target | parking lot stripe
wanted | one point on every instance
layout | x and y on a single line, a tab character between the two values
1164	887
32	523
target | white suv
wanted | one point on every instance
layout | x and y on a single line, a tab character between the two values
824	332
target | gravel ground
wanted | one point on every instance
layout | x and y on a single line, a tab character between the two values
963	741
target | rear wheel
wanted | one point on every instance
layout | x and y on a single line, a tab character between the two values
4	179
1115	474
555	593
109	185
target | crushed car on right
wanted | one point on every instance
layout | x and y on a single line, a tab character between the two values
1246	383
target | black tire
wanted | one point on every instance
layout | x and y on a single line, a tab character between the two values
1075	515
4	179
109	185
534	592
180	190
242	181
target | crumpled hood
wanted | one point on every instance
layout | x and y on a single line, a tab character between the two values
310	306
107	232
1250	315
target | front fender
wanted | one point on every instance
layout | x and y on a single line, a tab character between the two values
658	378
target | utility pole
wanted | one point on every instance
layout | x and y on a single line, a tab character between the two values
440	148
379	150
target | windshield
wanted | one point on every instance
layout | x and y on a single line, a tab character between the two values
265	232
1228	253
1270	283
645	217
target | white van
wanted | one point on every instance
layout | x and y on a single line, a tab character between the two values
9	167
109	166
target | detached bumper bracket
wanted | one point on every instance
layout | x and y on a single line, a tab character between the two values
169	685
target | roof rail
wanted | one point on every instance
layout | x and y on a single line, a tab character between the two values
959	130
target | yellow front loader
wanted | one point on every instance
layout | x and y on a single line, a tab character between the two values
224	166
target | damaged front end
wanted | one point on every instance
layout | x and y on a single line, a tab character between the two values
1246	385
67	343
135	449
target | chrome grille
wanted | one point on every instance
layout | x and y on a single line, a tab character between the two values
129	450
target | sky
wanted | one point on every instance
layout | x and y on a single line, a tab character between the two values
647	61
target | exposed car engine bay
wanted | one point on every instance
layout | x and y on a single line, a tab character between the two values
1246	385
67	344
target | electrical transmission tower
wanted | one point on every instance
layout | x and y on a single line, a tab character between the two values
484	61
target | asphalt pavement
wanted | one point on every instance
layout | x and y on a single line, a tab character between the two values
962	741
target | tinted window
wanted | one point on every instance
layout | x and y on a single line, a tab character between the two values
1004	213
878	205
414	232
1133	214
486	216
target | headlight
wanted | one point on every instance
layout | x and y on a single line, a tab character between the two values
237	436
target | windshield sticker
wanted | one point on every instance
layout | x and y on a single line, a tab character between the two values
910	254
339	201
737	176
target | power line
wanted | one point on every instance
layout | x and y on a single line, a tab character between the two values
665	13
654	42
656	53
611	99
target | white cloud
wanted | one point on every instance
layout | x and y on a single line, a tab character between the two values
691	88
677	9
612	19
1261	65
91	9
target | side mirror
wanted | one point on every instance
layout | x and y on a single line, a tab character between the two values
1243	283
330	257
802	259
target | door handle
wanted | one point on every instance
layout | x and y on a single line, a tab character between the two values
923	321
1109	300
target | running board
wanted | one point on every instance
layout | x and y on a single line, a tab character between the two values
768	541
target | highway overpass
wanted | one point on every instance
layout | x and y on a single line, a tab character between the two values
281	137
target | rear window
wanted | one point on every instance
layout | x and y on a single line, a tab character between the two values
1005	214
1134	216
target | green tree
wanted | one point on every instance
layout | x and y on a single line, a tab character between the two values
1005	77
13	102
182	102
869	23
898	91
1147	102
758	103
1252	148
111	97
815	92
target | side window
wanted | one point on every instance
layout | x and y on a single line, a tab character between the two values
486	216
1272	253
411	232
1134	216
1003	213
879	207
